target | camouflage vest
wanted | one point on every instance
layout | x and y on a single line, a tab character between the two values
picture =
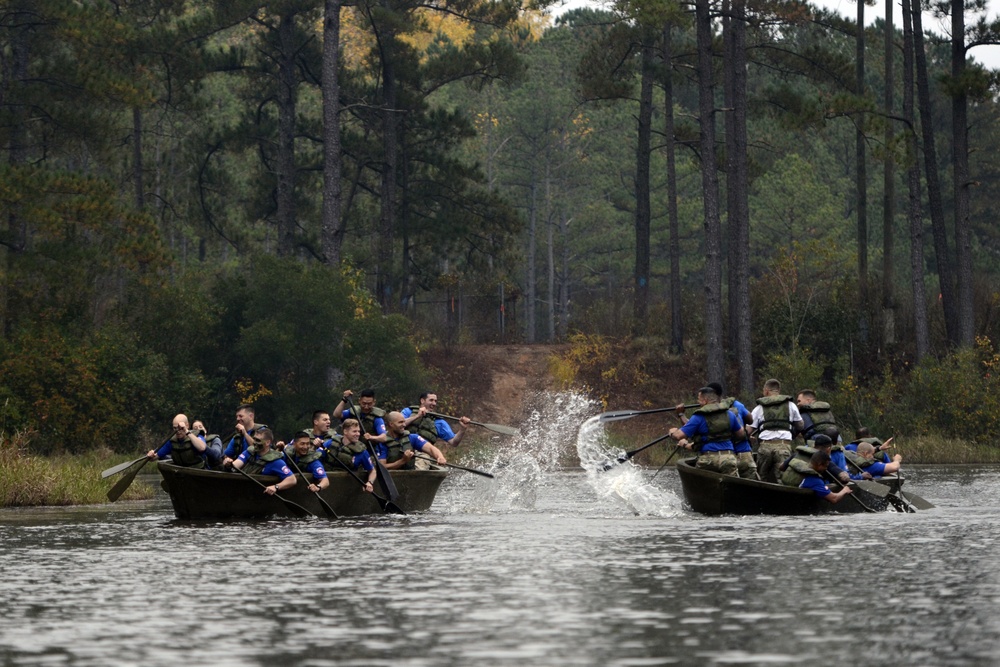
300	462
425	426
397	447
817	418
797	471
343	452
184	454
858	460
792	476
717	417
775	413
256	464
367	420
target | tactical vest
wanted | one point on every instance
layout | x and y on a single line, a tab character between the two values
184	454
256	464
302	461
325	437
397	447
343	452
858	460
367	420
797	470
425	427
776	413
717	417
817	418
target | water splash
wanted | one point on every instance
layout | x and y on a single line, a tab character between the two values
621	481
522	463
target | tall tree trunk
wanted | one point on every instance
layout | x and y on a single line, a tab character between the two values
676	322
550	252
286	136
715	366
922	334
738	198
563	328
861	182
889	191
140	202
960	166
332	226
640	301
530	288
390	151
945	267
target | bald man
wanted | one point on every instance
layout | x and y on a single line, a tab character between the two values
184	447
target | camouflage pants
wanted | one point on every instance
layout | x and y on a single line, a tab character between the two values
745	465
723	462
772	453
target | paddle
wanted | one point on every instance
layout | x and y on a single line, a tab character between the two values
126	481
296	509
381	473
114	470
326	506
387	505
457	467
912	498
608	465
628	414
496	428
856	499
677	448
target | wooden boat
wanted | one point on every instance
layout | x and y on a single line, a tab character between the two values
709	492
210	494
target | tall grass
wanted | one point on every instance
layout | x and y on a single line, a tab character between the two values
29	480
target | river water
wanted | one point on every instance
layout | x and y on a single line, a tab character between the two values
542	566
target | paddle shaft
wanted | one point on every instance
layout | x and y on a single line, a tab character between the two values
381	472
629	455
326	506
856	499
628	414
677	448
497	428
294	506
457	467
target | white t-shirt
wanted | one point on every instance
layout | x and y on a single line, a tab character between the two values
758	416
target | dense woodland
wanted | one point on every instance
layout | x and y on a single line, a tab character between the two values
208	202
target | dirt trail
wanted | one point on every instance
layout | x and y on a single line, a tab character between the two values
490	382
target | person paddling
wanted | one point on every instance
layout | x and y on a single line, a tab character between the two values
813	479
246	428
773	418
185	447
711	430
308	460
419	418
262	460
399	450
349	453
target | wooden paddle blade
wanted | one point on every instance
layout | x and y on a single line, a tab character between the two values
296	509
498	428
114	470
115	492
874	488
917	501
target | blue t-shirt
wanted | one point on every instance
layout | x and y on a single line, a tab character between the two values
314	467
743	445
166	448
275	467
816	485
698	425
876	469
442	427
417	441
238	444
379	422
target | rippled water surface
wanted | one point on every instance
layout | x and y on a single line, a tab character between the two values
541	566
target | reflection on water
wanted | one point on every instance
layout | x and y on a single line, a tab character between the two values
568	572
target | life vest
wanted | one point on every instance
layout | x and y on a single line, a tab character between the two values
397	447
184	454
776	413
817	418
717	417
256	464
798	469
343	452
367	419
799	466
425	427
858	460
302	461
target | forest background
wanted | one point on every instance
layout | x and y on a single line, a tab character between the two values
206	203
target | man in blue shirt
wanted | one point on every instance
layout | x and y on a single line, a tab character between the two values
710	432
246	428
865	458
372	419
307	460
348	452
185	447
432	429
819	463
401	446
262	460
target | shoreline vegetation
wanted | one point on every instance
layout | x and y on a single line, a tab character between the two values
31	480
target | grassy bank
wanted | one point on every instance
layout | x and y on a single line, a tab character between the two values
28	480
